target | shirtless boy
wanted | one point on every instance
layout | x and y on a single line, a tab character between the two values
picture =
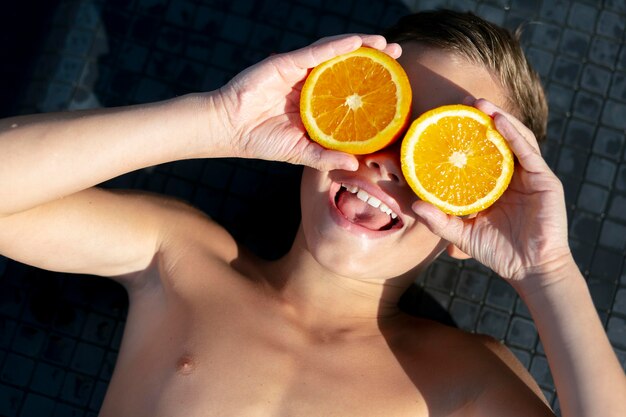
214	331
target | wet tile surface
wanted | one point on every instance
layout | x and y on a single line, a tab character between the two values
59	334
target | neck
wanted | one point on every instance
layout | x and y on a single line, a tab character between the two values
320	298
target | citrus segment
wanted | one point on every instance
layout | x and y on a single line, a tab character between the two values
357	102
454	158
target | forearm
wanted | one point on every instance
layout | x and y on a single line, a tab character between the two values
588	377
48	156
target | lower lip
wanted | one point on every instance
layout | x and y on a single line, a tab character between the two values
346	224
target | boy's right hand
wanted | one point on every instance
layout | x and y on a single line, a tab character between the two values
261	106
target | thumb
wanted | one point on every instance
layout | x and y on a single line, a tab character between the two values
447	227
322	159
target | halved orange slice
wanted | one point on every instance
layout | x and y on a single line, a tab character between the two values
358	102
454	158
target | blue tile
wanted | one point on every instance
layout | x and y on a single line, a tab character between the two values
522	333
540	60
472	285
618	87
47	379
464	313
492	14
620	180
501	295
17	370
87	359
37	406
10	401
601	171
29	340
493	323
582	16
619	306
585	227
604	52
602	293
579	133
572	162
611	24
588	106
593	198
540	370
617	208
522	356
77	389
595	79
575	43
617	5
236	29
613	114
609	143
616	331
560	97
555	10
606	265
613	235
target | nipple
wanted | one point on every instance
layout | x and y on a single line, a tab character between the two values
185	365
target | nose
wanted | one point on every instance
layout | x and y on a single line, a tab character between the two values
386	163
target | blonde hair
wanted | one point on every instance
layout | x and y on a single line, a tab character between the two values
482	43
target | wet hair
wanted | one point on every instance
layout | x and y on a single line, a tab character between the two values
482	43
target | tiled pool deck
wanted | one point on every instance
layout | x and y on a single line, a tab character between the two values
59	334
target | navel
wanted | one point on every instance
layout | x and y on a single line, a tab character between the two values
185	365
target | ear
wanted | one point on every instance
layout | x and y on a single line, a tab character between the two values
456	253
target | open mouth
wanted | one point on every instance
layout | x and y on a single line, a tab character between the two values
365	210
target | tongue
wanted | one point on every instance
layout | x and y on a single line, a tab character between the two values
361	213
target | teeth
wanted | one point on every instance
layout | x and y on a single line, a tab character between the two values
372	201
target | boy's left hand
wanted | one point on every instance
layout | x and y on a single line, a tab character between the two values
525	232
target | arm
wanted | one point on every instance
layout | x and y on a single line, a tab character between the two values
51	217
534	256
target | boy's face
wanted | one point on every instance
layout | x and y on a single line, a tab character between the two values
349	236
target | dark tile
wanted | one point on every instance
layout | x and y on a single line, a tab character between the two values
29	340
604	52
617	208
618	87
613	114
611	24
442	276
601	171
472	285
77	389
619	306
179	188
59	349
588	106
522	355
64	410
7	330
87	359
293	40
17	370
11	300
593	198
583	253
236	29
47	379
540	60
180	13
501	295
585	227
98	396
572	162
98	329
368	11
208	21
620	180
613	235
330	25
133	57
582	16
609	143
545	35
275	12
575	43
493	323
144	29
616	331
522	333
540	370
595	79
464	313
606	265
171	39
338	7
579	133
492	14
10	400
617	5
36	406
560	97
555	10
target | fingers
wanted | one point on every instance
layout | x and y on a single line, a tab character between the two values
445	226
315	156
330	47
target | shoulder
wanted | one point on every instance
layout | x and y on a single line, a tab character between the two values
488	378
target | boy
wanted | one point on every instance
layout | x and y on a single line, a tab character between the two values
213	330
